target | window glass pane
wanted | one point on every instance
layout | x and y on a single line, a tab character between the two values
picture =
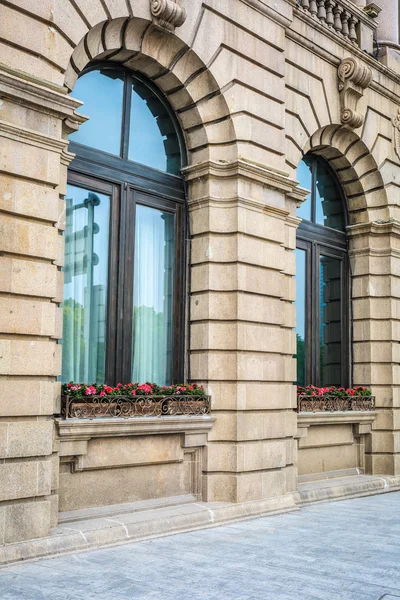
329	204
152	137
85	286
301	316
153	296
305	179
102	93
330	321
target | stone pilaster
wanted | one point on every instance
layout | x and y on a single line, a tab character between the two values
375	258
242	317
33	159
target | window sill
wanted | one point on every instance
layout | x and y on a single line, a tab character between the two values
362	420
74	434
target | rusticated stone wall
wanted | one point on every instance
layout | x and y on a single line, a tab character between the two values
254	86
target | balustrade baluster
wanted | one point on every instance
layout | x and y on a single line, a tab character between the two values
313	8
352	29
329	4
345	16
337	23
305	5
321	11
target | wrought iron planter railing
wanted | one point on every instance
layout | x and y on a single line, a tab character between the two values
326	403
94	407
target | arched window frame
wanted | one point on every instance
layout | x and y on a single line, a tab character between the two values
316	240
128	183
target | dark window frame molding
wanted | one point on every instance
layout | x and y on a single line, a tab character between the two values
129	183
317	240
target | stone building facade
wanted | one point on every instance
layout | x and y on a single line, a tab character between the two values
254	86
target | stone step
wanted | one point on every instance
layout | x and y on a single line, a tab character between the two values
120	509
77	535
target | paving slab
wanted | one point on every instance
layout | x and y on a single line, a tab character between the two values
348	550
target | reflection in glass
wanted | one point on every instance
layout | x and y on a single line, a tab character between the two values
152	137
85	286
328	200
301	316
153	296
102	94
304	175
330	321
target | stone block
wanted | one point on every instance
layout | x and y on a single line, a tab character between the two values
130	451
28	357
27	520
219	488
17	194
21	397
24	438
28	278
28	317
33	162
383	464
249	487
16	58
25	479
103	487
327	435
274	483
40	39
385	442
327	458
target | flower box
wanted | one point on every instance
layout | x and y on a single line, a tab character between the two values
332	399
81	401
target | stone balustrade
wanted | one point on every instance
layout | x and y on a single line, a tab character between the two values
336	16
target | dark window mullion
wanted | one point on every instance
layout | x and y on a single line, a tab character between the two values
113	286
128	293
316	318
120	319
313	191
126	118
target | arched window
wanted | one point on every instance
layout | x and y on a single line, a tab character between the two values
124	251
322	279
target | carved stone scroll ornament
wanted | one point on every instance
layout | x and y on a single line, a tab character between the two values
354	77
167	14
396	137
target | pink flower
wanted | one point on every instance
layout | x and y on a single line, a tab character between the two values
102	393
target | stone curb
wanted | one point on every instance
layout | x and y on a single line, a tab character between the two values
346	491
116	532
119	533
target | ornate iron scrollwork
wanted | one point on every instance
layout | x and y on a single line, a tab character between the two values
95	407
326	403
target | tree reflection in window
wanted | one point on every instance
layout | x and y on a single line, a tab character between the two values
322	279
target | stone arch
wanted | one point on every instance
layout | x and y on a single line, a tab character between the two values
175	69
356	170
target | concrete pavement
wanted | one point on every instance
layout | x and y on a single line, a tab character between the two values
348	550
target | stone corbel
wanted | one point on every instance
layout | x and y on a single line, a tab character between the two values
72	123
167	14
354	78
396	134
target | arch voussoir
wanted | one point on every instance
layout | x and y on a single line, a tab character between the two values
174	68
356	170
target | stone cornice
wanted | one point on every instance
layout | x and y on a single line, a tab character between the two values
247	170
39	97
32	137
336	418
85	429
279	12
385	228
